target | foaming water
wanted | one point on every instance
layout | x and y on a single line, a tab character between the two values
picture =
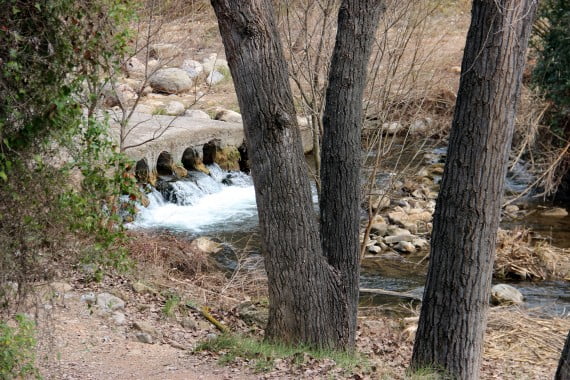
221	202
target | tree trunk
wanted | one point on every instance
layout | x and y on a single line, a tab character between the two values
307	301
453	315
563	371
341	147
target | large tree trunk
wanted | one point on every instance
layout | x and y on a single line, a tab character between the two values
563	371
454	310
341	146
307	301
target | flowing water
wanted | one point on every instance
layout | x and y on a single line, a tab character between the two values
223	205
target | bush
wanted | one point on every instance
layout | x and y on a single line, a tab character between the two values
17	346
55	57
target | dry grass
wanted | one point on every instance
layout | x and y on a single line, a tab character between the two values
165	259
520	344
518	258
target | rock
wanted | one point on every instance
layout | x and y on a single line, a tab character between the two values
206	245
214	62
395	230
140	288
379	228
229	116
503	294
215	77
392	128
379	219
170	81
193	68
211	336
145	338
405	247
555	212
197	114
399	238
421	243
108	301
191	161
512	209
251	313
135	68
146	328
175	108
398	217
411	226
436	169
119	318
120	93
164	51
374	249
381	202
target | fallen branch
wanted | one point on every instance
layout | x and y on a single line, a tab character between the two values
391	293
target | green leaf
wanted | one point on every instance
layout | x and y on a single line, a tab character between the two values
3	175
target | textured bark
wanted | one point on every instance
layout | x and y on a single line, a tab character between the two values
453	316
563	371
342	121
306	297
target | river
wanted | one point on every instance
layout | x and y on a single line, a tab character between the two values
223	205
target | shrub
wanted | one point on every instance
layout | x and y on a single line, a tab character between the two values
17	346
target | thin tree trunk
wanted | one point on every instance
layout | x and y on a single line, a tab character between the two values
453	316
341	147
563	371
307	302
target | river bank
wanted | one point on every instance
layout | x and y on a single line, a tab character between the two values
155	332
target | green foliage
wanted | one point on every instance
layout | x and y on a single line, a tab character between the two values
17	349
552	71
173	301
262	354
55	58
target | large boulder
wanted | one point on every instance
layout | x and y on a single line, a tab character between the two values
503	294
170	81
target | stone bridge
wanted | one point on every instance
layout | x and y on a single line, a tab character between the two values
153	135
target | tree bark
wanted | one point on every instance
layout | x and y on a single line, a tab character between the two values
307	301
453	315
341	147
563	371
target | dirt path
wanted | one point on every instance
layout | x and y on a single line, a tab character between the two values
82	342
